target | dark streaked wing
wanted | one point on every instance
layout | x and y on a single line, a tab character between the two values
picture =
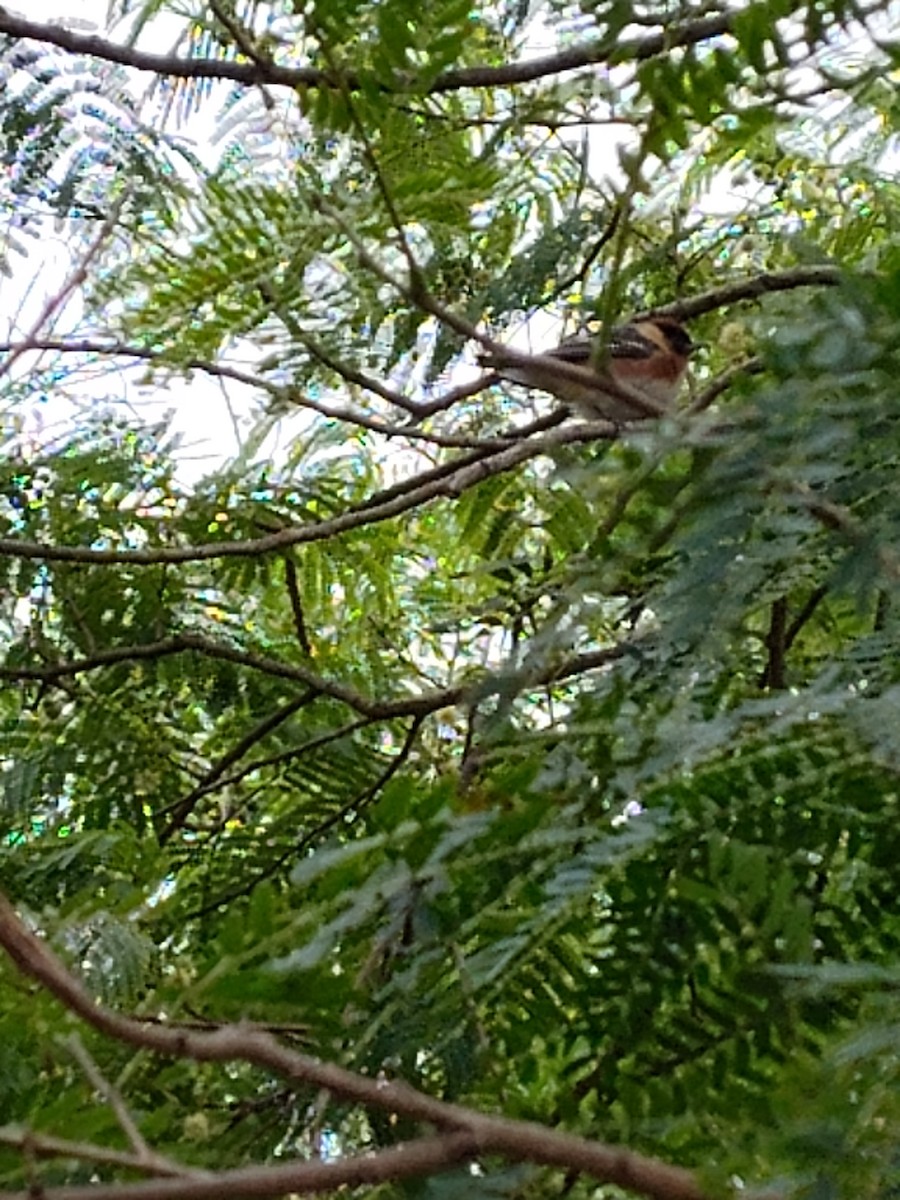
574	350
625	341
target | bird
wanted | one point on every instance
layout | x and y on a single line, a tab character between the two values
638	376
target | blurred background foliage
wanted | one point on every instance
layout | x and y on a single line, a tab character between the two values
571	794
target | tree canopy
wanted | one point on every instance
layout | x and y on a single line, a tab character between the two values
441	794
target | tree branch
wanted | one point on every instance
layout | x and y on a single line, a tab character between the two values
287	393
294	852
43	1145
450	479
722	382
466	1131
750	288
176	66
285	756
73	281
292	583
380	710
426	1156
774	674
839	519
182	809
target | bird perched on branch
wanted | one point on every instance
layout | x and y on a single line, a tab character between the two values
638	376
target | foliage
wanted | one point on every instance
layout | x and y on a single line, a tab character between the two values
562	786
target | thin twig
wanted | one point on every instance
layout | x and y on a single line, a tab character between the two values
416	277
73	281
722	382
803	616
296	849
286	756
44	1145
292	584
144	1155
182	809
111	1095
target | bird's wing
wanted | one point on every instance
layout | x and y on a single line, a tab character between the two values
625	341
574	350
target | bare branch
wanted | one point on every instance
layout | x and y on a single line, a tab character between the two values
43	1145
381	710
447	480
177	66
750	288
467	1133
427	1156
73	281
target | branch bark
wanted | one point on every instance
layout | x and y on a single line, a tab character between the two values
466	1132
251	73
448	480
380	710
749	288
426	1156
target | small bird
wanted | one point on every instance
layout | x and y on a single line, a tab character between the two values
639	377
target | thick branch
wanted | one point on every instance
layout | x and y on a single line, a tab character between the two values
176	66
475	1133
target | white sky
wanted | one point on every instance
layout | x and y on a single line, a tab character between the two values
203	410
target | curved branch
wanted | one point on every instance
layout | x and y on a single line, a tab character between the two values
466	1132
286	393
426	1156
378	710
251	73
750	288
43	1145
449	480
